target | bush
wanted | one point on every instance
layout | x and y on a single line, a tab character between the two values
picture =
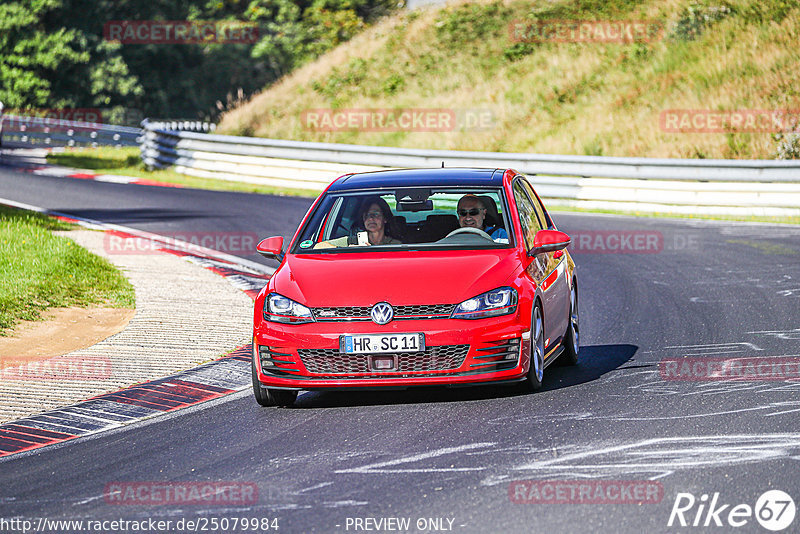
518	51
695	18
788	146
471	22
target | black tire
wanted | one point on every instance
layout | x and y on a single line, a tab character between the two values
533	381
258	391
572	336
280	397
271	397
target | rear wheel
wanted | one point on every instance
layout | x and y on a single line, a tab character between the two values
571	338
536	370
271	397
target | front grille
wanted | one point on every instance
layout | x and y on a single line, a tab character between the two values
423	309
332	314
331	361
361	313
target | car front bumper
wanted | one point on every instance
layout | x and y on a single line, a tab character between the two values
458	352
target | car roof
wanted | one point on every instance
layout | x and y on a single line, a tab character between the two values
452	176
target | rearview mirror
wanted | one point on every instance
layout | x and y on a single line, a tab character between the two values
271	247
413	199
422	205
549	241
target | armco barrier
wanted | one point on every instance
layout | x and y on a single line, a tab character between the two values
53	132
740	187
50	131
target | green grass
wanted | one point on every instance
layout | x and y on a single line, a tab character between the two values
767	248
550	97
39	270
101	160
127	162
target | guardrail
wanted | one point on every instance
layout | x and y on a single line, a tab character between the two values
180	125
53	132
743	187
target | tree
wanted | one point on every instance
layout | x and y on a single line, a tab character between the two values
53	53
45	63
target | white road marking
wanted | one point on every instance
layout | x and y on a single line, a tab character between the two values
90	499
715	346
780	334
115	179
312	488
379	467
661	457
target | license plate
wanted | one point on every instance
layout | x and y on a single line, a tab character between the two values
381	343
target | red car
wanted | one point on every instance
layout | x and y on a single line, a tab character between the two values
426	277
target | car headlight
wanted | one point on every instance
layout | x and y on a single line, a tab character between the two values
284	310
500	301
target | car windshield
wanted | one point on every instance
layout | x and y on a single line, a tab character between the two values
404	218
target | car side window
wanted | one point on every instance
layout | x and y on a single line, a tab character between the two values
335	221
527	214
537	206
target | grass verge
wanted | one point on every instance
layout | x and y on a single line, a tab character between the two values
39	270
126	161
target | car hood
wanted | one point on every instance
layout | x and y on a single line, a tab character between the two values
400	278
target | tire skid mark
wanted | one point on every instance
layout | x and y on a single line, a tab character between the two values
656	457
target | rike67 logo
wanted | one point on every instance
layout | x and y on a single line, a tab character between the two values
774	510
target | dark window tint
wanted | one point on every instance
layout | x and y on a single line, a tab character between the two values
527	214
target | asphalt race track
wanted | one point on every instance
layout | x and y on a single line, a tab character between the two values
453	459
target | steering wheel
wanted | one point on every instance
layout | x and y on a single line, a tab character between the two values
470	230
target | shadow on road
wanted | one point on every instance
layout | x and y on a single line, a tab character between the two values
594	362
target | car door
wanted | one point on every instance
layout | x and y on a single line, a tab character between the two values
543	268
560	287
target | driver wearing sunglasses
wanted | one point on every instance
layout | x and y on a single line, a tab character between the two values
472	214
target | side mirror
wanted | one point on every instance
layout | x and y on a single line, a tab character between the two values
271	247
549	241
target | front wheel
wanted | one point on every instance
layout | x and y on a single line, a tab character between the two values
571	338
271	397
536	369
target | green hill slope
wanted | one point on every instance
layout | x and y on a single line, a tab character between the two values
595	98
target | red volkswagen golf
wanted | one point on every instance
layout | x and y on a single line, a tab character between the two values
416	277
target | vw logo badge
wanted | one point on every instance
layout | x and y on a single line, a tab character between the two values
382	313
